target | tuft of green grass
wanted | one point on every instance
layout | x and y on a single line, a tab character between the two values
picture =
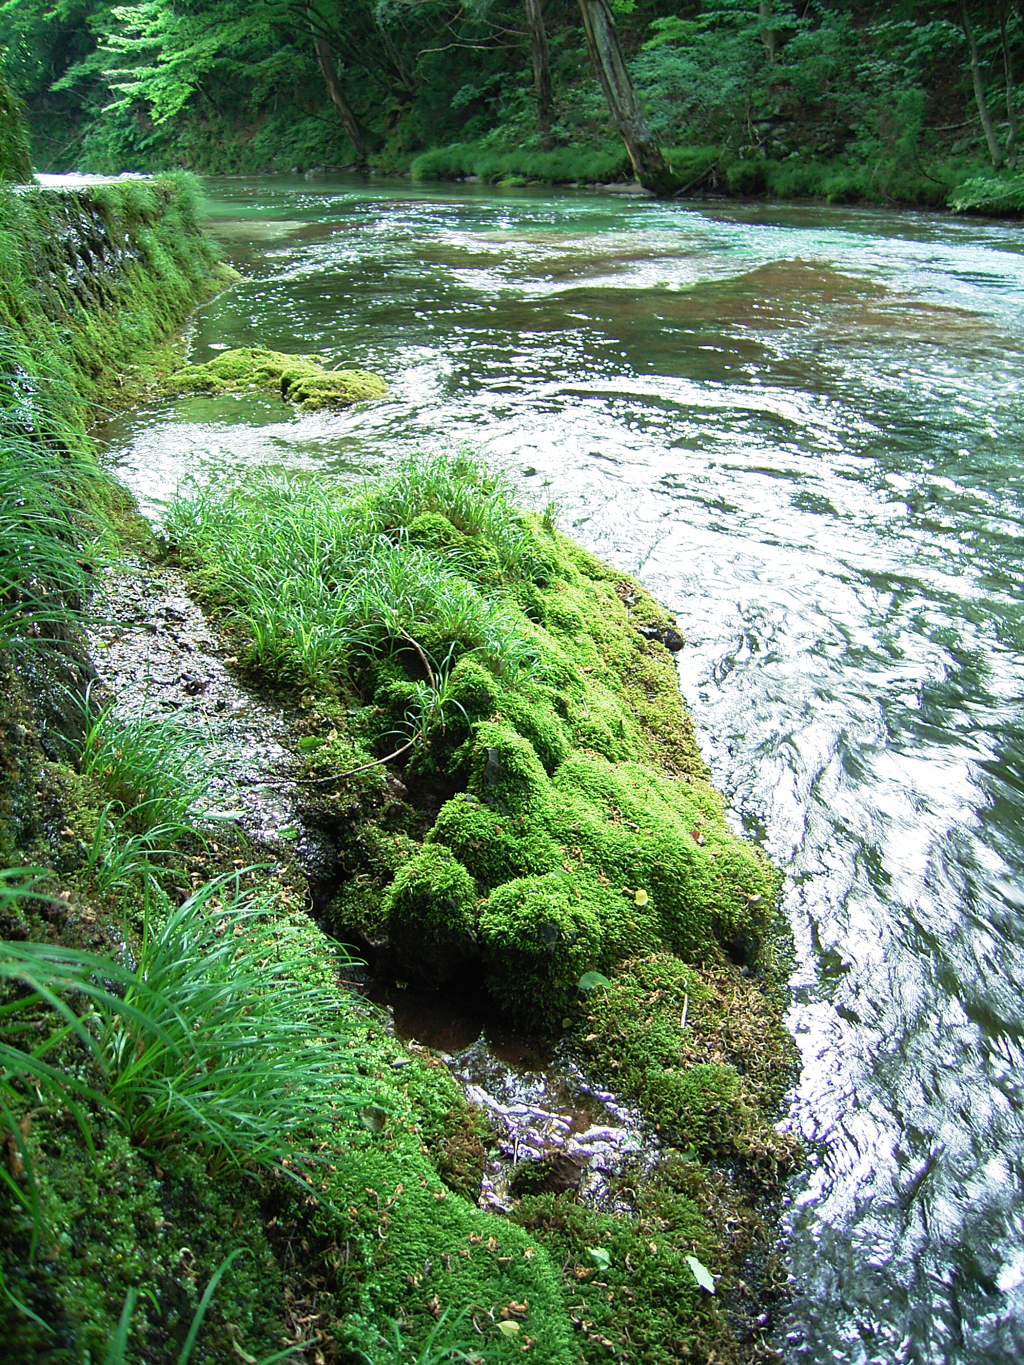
216	1042
147	767
51	532
213	1042
322	586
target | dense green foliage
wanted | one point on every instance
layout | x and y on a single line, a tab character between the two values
15	163
210	1150
791	97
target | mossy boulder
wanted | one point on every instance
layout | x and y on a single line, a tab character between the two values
540	936
430	907
300	379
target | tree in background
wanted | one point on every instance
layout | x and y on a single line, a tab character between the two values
994	149
649	165
540	57
999	24
15	163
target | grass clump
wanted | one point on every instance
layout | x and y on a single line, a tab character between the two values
300	379
218	1043
520	165
213	1053
148	768
321	586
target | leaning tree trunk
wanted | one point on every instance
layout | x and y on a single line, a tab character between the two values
648	163
1012	136
541	70
325	60
994	149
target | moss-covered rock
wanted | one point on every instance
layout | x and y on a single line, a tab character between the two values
539	937
430	907
704	1051
300	379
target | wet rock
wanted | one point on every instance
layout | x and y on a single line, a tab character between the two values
665	635
553	1173
156	653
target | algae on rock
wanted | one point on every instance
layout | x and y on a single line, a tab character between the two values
300	379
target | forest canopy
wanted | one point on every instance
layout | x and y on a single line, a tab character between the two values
846	99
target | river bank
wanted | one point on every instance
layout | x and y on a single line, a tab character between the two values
797	427
546	827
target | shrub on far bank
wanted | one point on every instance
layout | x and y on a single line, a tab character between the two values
993	194
563	165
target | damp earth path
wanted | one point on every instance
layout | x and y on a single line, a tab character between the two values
803	429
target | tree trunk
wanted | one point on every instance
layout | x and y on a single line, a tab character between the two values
541	70
325	60
1012	136
994	149
648	163
769	36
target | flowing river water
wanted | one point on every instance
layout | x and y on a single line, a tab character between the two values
803	429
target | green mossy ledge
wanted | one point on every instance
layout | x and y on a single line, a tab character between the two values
299	379
547	815
94	279
583	829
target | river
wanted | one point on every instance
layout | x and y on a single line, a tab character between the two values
803	429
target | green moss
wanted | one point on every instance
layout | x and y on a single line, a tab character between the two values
299	379
474	688
627	1281
413	1248
539	937
112	1225
480	560
556	817
704	1052
430	908
371	856
451	1133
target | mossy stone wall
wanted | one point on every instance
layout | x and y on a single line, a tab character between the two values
92	278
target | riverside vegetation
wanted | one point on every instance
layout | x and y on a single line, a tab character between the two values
212	1151
891	103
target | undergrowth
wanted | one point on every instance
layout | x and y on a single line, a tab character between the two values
322	585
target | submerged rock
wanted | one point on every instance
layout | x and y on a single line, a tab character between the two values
300	379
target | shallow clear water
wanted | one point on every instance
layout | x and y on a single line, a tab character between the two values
804	430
